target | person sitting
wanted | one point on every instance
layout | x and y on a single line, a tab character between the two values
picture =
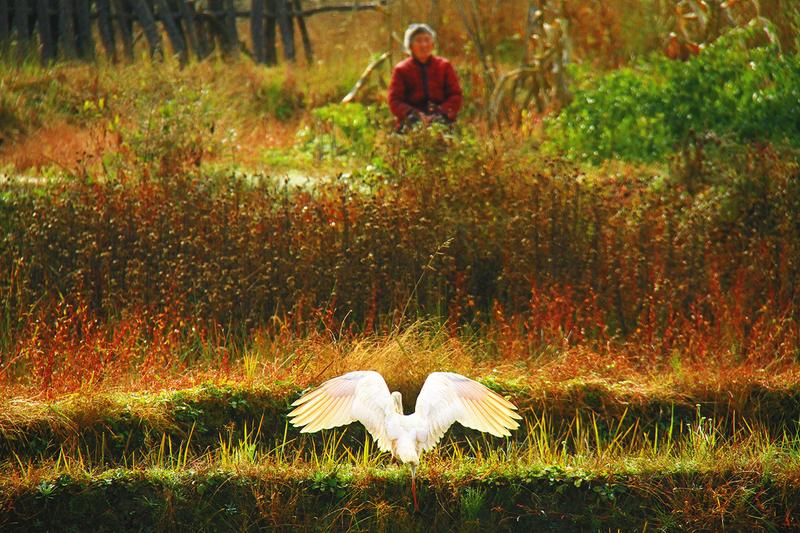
424	87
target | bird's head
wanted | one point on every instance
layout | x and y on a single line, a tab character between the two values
407	452
397	398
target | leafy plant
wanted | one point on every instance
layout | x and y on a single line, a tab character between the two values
472	501
341	130
328	483
734	89
174	135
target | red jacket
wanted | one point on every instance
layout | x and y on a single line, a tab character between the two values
407	89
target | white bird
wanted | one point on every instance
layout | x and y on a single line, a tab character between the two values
445	398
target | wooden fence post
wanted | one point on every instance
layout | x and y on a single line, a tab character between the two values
301	23
148	23
21	13
106	29
216	11
66	28
283	14
124	21
257	31
5	26
84	26
230	28
173	33
189	23
45	31
271	53
207	33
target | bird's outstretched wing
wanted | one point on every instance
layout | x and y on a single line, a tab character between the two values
447	397
356	396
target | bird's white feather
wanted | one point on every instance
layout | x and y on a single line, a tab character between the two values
447	397
356	396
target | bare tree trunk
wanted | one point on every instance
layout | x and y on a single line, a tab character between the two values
49	49
66	28
561	58
85	37
173	33
287	29
533	21
533	24
271	53
145	16
124	21
106	29
301	23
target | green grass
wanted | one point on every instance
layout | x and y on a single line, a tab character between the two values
695	484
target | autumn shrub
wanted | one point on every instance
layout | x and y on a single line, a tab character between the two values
592	256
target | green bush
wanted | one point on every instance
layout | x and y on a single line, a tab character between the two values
733	90
174	133
279	99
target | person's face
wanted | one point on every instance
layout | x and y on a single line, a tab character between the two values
422	46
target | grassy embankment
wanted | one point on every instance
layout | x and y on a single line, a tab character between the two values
622	449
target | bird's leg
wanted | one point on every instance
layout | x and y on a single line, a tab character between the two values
414	493
414	487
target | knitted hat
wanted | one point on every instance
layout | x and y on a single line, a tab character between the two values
414	29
